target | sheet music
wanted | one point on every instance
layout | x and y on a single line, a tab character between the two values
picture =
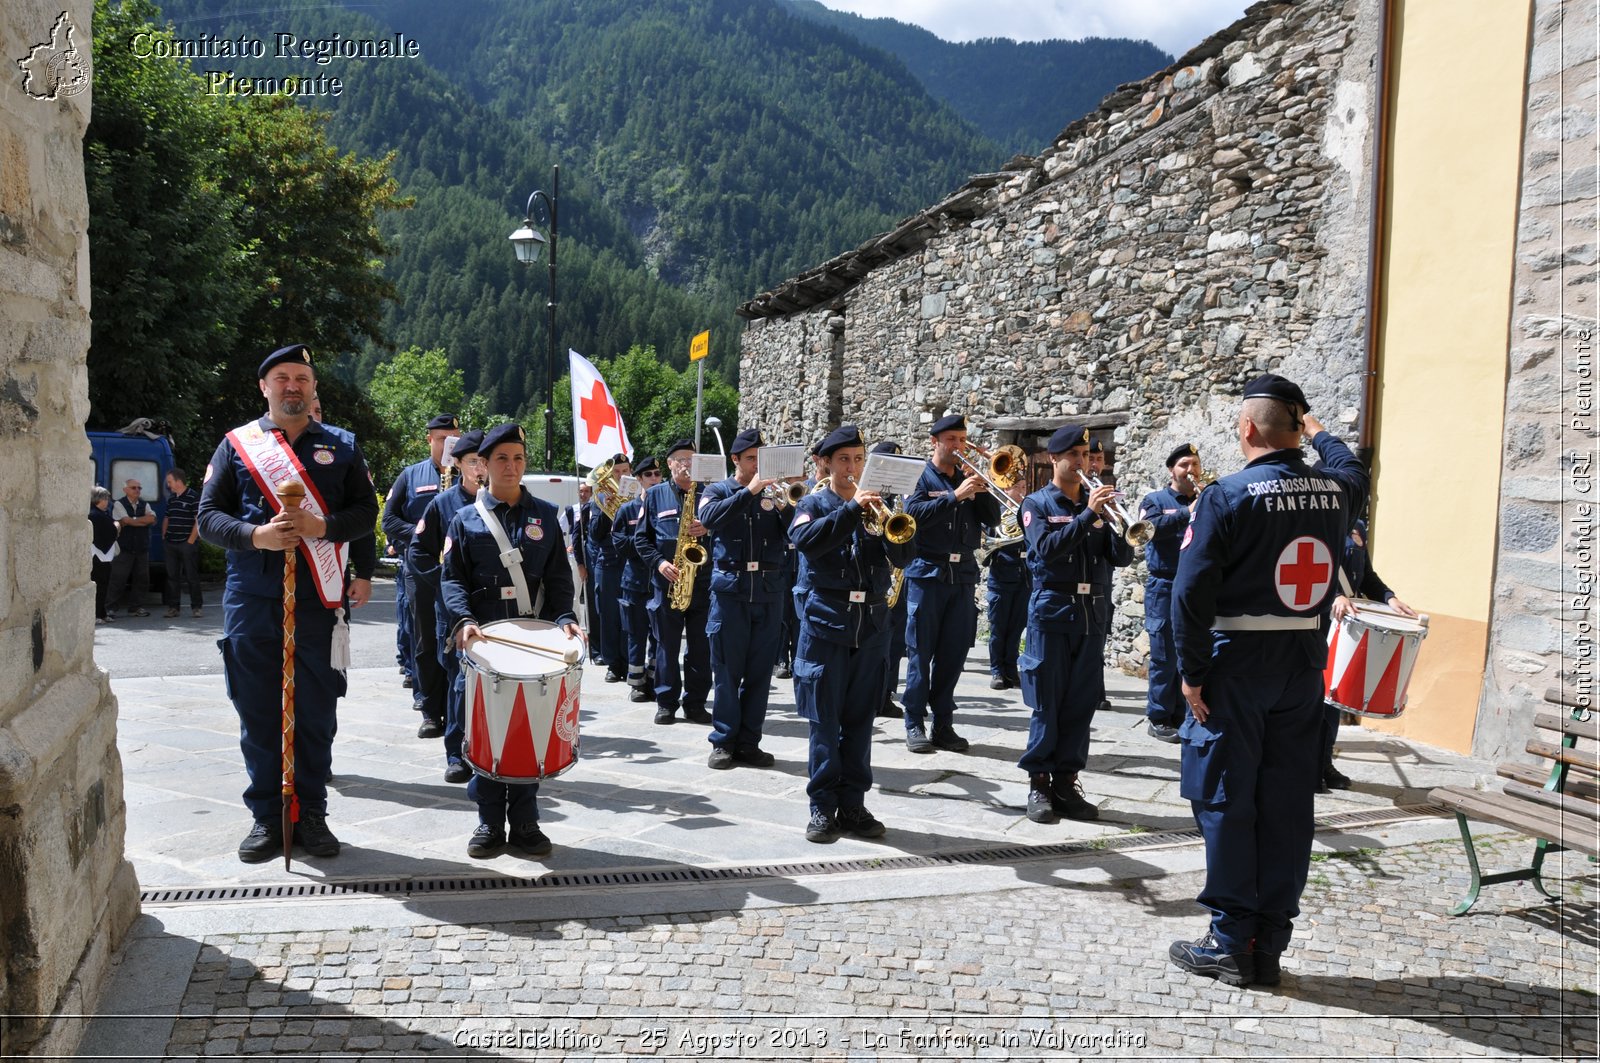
448	460
629	486
891	474
708	468
786	462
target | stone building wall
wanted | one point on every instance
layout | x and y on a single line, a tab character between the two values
1540	633
1206	225
66	892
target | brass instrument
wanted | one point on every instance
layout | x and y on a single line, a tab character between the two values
608	493
1207	478
446	477
1136	532
897	526
998	471
1010	533
688	558
784	495
897	581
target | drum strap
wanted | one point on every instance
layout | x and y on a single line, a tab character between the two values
1344	583
510	557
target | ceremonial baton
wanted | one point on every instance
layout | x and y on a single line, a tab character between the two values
290	494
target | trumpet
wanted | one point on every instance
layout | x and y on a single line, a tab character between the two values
1205	480
1136	532
998	471
785	494
896	525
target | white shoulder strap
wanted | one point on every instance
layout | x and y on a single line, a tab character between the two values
509	557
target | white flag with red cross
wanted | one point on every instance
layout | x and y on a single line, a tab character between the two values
597	430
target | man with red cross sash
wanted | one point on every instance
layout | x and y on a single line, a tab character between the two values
240	512
1250	603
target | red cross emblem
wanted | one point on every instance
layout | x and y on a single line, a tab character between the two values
597	412
1303	573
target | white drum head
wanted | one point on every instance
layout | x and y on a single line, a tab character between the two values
1375	614
497	658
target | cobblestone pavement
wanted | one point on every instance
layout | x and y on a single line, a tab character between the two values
1035	972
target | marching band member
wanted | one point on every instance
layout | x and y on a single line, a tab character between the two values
749	556
1009	587
481	581
427	546
951	509
415	487
838	670
1249	605
1063	672
636	588
892	709
605	571
240	511
1168	511
656	542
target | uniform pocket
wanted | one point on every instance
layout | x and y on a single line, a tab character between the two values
1203	774
807	681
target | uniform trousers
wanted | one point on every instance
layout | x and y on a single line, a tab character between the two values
455	691
837	689
429	691
744	640
252	659
499	802
608	609
789	633
1249	773
634	610
671	628
1063	682
941	624
1008	619
403	653
897	643
1165	703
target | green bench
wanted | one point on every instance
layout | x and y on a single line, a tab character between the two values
1556	802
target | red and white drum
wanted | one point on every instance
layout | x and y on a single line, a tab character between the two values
1371	653
521	702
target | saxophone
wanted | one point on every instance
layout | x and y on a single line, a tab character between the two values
689	557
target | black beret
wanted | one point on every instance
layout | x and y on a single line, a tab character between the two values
467	443
1097	447
298	353
953	423
1186	450
1065	438
444	420
617	459
645	465
682	444
1273	386
888	446
504	433
749	437
846	435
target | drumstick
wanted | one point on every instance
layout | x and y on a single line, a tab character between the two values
571	655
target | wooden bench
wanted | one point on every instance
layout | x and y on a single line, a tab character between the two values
1557	802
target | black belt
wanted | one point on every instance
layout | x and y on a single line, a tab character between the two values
1069	587
852	597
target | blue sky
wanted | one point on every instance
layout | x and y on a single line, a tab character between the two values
1173	25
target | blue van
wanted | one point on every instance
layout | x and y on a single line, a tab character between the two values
145	456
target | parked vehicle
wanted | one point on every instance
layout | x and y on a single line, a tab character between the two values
142	451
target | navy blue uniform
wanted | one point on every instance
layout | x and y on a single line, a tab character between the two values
415	487
422	560
1254	585
1071	551
636	587
1168	512
605	573
749	580
475	587
940	592
1009	587
844	632
655	541
231	507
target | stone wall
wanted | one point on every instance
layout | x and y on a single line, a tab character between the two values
1540	632
66	892
1206	225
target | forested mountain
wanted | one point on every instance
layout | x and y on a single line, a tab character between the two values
1020	94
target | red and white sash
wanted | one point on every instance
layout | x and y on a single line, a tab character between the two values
271	462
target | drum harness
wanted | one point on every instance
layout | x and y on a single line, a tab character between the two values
510	557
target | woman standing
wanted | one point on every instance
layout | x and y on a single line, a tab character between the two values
103	549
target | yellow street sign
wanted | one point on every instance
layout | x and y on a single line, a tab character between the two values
700	346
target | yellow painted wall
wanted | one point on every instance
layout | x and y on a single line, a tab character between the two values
1460	76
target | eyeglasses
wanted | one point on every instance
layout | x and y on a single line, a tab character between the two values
136	487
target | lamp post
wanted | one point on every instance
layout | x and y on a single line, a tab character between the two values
529	245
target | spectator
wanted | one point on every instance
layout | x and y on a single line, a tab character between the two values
103	550
179	535
130	571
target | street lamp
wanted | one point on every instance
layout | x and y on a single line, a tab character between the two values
529	245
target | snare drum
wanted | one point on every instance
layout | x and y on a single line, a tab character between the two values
1371	654
521	704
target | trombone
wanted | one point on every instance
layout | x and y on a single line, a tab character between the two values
1000	470
1136	532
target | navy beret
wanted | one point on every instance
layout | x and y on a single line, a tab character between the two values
620	458
953	423
749	437
298	353
682	444
467	443
644	465
444	420
503	433
846	435
1187	450
888	446
1273	386
1065	438
1097	447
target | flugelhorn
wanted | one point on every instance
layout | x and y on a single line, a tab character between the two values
895	525
1136	532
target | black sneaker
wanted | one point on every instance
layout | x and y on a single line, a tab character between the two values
1268	969
720	758
1041	807
822	829
408	682
784	672
860	822
430	728
917	740
640	694
264	841
1334	779
1207	959
485	842
998	682
696	714
665	715
312	835
1161	732
1066	796
754	756
530	840
456	770
613	677
945	738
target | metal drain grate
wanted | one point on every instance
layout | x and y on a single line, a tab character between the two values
405	887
